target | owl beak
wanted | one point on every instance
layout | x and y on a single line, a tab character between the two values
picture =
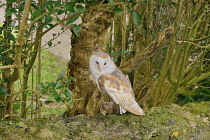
99	69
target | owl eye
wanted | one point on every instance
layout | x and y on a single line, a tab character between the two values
96	62
104	63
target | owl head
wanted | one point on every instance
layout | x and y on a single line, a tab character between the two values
101	63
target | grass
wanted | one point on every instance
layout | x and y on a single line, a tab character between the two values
51	67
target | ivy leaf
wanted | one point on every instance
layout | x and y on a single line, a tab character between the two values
10	12
69	6
111	2
118	11
76	29
136	17
80	8
3	92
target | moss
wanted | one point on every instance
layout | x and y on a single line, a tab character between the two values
36	129
169	122
202	108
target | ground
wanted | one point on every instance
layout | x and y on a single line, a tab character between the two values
188	122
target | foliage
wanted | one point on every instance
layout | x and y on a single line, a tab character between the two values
198	93
58	90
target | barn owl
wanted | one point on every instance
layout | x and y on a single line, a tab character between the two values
112	81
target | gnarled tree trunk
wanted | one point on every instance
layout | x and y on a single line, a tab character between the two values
92	38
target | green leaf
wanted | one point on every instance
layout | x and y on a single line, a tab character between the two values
76	29
54	34
71	20
60	76
136	17
80	8
58	99
47	102
10	12
123	51
11	37
3	92
48	19
11	1
69	6
68	92
60	11
128	8
41	85
51	84
48	5
16	106
72	78
71	106
55	95
49	43
59	85
118	11
111	2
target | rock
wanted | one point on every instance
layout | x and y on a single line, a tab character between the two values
44	133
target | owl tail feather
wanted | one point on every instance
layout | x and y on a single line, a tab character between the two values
134	108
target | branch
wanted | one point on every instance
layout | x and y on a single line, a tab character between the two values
200	38
199	78
107	5
8	67
193	44
20	39
155	46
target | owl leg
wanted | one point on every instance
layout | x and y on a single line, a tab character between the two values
122	110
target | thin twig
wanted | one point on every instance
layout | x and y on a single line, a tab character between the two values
193	44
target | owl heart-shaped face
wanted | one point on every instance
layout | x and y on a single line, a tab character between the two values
101	63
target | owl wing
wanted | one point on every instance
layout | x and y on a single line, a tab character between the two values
118	87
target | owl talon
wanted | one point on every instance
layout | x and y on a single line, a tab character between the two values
122	110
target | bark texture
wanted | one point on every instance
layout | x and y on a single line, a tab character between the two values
92	38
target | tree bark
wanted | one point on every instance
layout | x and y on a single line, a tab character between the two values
92	38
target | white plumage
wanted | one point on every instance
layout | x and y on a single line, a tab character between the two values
112	81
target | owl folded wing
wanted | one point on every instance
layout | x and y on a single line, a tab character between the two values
116	88
120	91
